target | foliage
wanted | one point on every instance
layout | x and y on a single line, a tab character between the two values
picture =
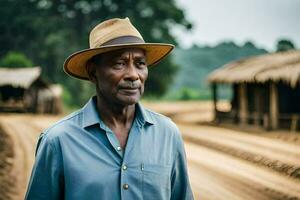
159	79
187	94
15	59
48	31
197	62
284	45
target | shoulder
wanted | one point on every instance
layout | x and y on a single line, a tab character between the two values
61	127
159	118
163	122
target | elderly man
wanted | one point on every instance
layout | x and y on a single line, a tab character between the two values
113	148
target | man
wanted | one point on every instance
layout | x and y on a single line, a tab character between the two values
112	148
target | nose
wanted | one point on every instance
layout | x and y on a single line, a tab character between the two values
131	73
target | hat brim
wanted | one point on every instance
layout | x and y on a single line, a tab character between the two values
75	65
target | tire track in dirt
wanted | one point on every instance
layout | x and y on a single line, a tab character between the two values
19	162
24	134
7	189
240	179
274	155
219	185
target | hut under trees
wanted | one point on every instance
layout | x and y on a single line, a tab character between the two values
265	90
23	90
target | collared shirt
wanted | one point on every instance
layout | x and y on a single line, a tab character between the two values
80	158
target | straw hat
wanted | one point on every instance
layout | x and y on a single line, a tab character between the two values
112	35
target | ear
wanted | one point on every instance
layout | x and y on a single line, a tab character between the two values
91	70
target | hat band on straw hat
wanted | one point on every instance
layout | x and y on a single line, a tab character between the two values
123	40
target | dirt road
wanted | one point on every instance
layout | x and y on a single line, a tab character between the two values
223	164
23	131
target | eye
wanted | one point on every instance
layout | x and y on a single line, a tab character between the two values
141	64
119	64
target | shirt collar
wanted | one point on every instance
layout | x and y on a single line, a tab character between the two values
90	113
142	115
92	117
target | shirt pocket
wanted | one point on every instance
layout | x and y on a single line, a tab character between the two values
156	181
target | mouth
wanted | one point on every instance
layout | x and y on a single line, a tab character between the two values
130	90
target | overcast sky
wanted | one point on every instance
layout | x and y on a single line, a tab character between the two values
260	21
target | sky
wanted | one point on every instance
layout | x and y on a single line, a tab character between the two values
262	22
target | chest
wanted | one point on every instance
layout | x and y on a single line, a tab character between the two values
93	161
121	134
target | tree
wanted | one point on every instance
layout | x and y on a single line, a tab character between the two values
50	30
284	45
15	59
249	45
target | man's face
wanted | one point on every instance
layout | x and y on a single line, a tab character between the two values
120	76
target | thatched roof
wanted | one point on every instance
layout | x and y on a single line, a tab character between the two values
282	66
19	77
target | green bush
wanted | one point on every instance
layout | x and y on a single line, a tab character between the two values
186	94
15	59
67	100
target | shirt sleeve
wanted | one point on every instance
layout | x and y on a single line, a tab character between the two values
46	182
181	189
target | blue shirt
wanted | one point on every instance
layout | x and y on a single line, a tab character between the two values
79	158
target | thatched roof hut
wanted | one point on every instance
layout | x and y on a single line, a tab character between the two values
282	66
23	89
266	89
19	77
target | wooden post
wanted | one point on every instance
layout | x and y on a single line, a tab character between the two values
266	123
294	122
215	99
243	102
257	105
273	106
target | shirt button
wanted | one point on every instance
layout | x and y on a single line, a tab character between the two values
119	148
125	186
124	167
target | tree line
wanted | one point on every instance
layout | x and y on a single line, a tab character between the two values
47	31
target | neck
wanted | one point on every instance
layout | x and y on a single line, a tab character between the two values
115	115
